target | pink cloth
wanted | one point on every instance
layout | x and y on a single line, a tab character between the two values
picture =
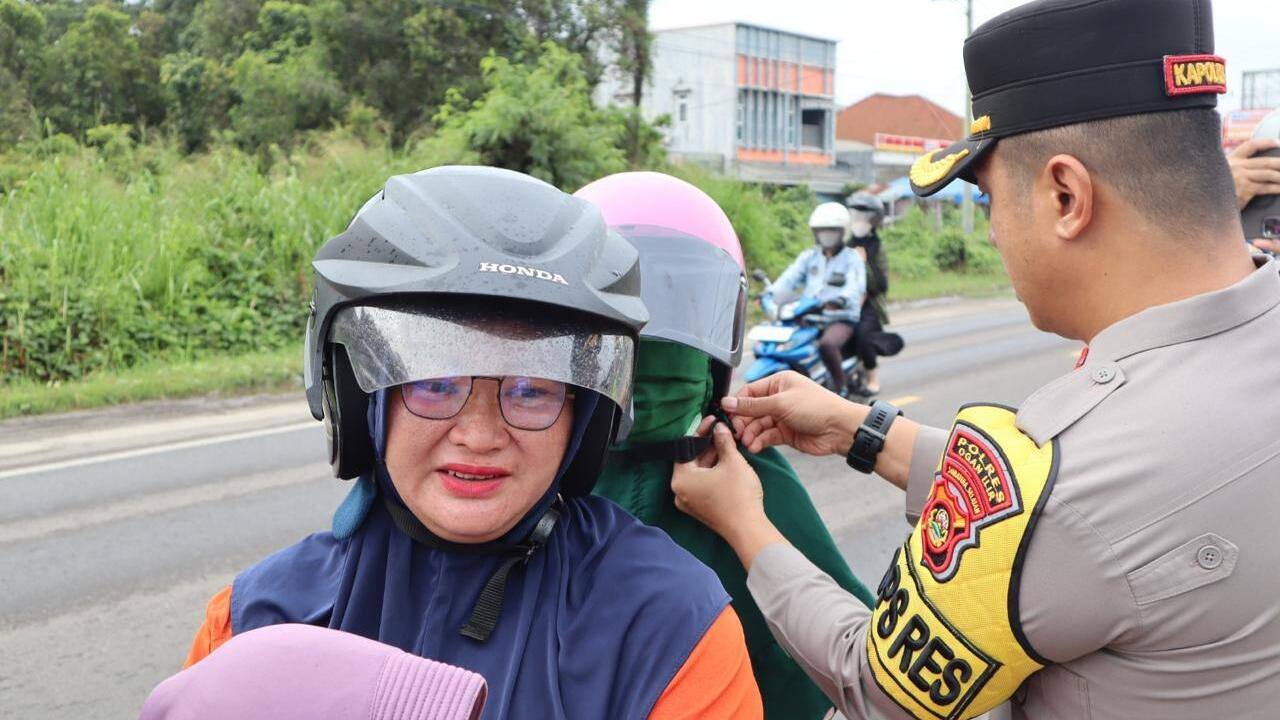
287	672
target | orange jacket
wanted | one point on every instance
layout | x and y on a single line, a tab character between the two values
715	681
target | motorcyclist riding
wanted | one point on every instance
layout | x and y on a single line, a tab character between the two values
866	215
832	274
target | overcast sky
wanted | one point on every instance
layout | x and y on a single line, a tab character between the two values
908	47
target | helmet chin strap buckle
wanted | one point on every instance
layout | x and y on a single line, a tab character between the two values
681	450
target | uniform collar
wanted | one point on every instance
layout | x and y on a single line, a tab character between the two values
1056	406
1193	318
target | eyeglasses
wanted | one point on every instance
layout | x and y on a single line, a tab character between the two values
527	403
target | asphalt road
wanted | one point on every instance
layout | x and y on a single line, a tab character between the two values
117	526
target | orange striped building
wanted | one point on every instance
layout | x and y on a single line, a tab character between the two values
747	100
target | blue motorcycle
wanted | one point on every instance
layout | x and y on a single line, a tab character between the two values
791	343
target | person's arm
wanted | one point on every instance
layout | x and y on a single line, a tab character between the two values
716	680
1074	595
1254	175
792	278
790	409
880	269
215	630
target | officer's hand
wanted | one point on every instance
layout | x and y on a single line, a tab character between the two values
719	488
1254	176
790	409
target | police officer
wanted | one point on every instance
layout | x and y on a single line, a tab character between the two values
1109	549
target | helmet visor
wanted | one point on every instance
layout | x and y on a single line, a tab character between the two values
403	341
695	292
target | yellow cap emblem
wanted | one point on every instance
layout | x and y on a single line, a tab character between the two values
980	125
927	171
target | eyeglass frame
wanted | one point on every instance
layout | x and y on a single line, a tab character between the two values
568	395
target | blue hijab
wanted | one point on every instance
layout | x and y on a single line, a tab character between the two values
595	625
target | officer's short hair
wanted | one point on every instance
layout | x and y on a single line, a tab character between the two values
1168	165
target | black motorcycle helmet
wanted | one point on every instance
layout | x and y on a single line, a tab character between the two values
433	271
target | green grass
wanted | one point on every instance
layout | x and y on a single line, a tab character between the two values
271	371
943	284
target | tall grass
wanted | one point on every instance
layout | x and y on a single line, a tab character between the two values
108	261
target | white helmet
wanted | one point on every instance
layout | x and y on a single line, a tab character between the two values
830	224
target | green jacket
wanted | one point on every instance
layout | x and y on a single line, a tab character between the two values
673	386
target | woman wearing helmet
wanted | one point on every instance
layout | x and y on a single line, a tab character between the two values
866	215
695	291
833	274
470	367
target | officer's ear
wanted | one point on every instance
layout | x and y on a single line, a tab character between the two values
1072	188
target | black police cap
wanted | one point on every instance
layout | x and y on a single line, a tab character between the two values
1059	62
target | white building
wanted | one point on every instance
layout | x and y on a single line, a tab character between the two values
746	100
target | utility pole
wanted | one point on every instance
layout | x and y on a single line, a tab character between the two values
966	207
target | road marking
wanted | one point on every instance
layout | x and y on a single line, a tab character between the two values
156	503
153	450
905	400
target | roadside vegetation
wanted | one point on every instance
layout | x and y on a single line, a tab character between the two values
168	168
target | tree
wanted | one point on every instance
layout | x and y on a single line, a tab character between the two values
634	60
402	56
21	30
283	27
218	27
536	118
278	99
96	74
197	96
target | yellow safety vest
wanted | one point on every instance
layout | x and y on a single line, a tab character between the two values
945	639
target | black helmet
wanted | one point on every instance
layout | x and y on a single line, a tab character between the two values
471	270
866	202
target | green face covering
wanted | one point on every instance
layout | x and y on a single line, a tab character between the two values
672	389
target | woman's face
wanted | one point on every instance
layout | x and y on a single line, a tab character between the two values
471	478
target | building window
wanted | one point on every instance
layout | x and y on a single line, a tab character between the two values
813	52
813	129
684	112
742	114
792	103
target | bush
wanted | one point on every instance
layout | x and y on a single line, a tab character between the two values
916	249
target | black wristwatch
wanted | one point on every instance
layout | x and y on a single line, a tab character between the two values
869	439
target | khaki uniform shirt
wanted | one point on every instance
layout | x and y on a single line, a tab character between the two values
1152	579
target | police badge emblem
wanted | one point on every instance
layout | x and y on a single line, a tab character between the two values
973	488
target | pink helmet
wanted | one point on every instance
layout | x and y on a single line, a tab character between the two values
691	265
653	198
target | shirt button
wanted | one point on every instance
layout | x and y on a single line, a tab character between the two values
1104	374
1209	557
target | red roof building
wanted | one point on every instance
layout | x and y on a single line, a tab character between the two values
904	115
881	135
